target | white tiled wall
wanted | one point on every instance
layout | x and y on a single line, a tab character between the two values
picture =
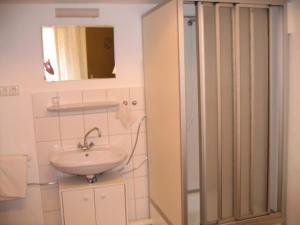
62	131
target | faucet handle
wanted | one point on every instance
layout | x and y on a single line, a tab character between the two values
79	145
99	134
91	144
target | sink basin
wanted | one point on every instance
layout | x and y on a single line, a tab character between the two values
88	163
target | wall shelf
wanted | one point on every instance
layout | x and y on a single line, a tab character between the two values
82	106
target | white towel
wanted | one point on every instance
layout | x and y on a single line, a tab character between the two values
13	177
126	116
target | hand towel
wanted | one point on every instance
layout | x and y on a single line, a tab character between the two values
13	176
126	116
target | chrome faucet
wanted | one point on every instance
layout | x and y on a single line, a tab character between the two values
86	146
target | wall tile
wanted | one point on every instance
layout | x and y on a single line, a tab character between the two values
142	208
131	210
48	174
71	144
99	120
127	171
94	95
102	141
40	102
129	188
118	94
47	129
52	218
139	114
139	161
141	147
141	187
137	95
121	142
50	198
45	149
115	125
71	126
70	97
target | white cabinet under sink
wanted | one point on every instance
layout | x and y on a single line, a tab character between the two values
101	203
110	205
78	207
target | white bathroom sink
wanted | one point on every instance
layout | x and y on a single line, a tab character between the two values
87	163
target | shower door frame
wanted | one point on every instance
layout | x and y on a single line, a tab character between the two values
278	216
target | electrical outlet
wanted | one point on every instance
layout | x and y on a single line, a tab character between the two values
9	90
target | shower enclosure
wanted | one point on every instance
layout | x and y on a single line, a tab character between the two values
236	83
229	90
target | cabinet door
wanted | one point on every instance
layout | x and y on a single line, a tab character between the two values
79	208
110	205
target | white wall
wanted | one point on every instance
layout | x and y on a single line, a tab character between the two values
293	189
21	64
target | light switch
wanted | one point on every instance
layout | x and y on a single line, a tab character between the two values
9	90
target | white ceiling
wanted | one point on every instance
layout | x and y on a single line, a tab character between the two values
82	1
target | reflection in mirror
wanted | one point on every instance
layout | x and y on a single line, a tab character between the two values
78	53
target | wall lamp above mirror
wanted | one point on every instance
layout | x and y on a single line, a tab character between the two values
78	52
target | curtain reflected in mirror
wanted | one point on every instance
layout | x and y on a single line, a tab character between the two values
78	53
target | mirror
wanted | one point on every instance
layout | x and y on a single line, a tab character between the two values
78	52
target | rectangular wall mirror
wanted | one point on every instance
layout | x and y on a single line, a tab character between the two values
78	52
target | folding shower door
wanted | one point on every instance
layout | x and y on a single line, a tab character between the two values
240	89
